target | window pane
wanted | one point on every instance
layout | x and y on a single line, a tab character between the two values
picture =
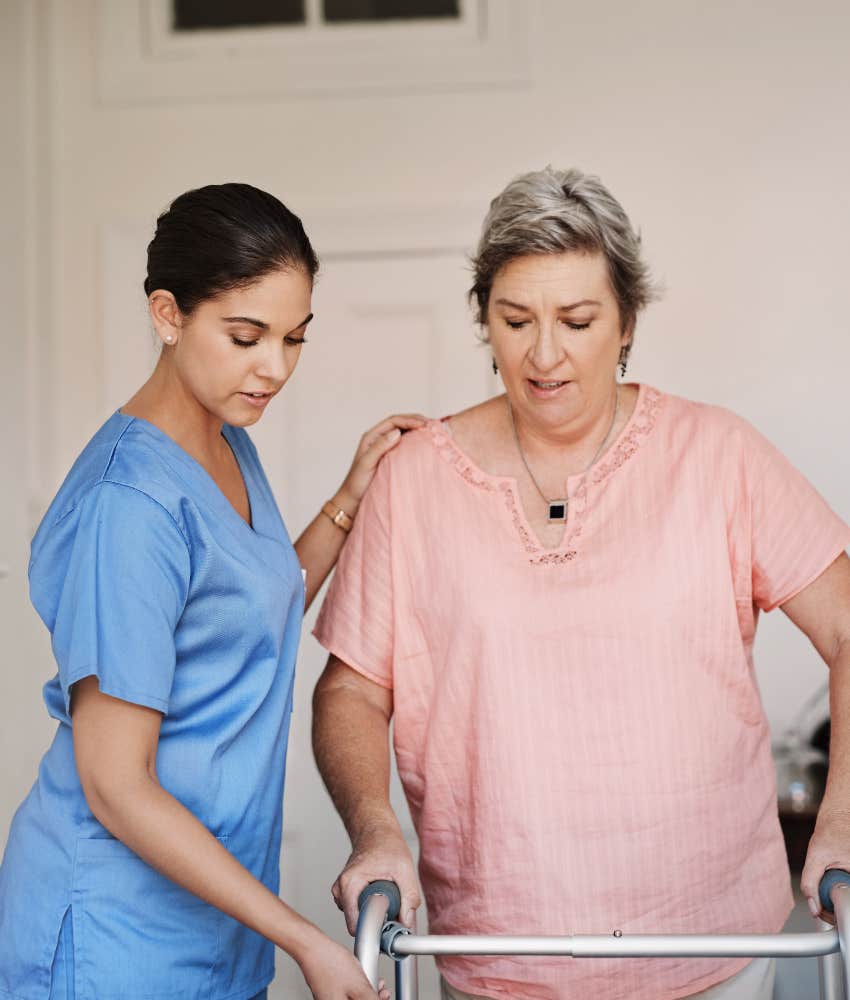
192	14
384	10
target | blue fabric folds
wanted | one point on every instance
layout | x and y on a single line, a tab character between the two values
148	579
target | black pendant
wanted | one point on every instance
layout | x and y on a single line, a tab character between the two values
557	511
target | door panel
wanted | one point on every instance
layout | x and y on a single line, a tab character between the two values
390	334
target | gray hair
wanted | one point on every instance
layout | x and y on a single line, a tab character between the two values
556	211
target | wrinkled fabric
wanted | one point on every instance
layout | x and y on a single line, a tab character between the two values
579	731
149	580
754	982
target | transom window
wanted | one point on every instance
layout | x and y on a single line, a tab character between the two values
195	15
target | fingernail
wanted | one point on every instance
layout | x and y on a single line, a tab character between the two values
394	434
813	907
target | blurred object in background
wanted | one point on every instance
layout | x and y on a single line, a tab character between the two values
802	760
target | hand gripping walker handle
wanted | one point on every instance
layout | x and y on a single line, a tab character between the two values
831	878
385	888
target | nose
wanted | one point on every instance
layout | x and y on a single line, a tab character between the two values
273	364
546	352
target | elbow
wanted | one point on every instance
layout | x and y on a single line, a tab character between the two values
837	655
112	795
341	688
100	802
335	681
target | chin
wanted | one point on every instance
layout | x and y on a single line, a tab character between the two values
243	419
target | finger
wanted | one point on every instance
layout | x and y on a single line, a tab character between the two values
350	889
387	427
410	901
403	421
809	884
351	913
373	439
375	450
336	892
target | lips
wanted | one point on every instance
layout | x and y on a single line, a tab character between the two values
256	399
546	388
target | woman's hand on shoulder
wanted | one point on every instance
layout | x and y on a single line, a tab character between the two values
374	444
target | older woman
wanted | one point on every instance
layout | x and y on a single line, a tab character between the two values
554	595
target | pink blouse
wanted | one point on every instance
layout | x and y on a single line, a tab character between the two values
579	730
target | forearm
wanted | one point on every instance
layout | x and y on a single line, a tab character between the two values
351	718
320	543
166	835
351	745
837	795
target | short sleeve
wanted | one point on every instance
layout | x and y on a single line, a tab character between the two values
795	535
356	619
111	586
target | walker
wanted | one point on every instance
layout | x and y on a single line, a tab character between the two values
379	931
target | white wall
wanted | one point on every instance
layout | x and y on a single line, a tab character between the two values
25	728
721	127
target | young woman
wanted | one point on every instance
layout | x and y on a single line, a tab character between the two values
144	862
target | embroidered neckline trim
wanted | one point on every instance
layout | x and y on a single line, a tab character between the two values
638	428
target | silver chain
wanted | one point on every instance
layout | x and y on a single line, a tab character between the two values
584	470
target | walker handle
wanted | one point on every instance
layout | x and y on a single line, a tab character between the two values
831	878
389	889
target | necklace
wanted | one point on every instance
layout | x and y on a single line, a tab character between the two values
558	507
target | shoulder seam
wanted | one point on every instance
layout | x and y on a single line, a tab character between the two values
129	486
101	478
115	444
137	489
113	482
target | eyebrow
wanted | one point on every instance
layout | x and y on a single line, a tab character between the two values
569	308
260	324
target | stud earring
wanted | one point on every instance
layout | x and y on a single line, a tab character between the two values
495	367
169	339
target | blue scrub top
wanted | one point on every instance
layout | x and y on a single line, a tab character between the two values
148	579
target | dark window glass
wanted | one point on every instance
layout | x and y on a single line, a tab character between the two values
190	15
386	10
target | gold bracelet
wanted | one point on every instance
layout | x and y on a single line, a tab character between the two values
338	516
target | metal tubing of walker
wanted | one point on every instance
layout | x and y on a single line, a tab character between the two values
367	940
831	977
840	897
627	945
407	978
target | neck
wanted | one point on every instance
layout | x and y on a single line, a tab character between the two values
165	401
588	431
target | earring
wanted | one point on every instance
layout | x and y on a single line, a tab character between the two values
495	367
624	359
169	339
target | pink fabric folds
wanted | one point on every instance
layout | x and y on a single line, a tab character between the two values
578	730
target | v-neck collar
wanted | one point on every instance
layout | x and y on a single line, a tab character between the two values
200	475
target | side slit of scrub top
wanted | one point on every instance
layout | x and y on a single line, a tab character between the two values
148	579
